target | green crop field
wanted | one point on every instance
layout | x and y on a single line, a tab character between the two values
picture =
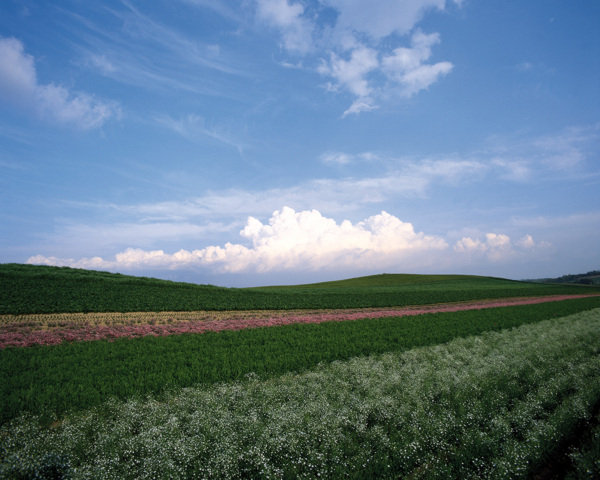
28	289
51	380
494	393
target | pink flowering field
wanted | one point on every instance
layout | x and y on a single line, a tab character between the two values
29	330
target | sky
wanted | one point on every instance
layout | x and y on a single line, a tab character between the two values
265	142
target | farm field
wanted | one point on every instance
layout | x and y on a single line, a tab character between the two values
400	384
495	405
29	289
54	329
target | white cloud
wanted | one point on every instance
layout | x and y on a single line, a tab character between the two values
451	171
307	241
351	73
382	18
518	170
223	8
343	158
353	46
339	158
404	68
19	86
526	242
141	233
102	63
467	244
565	151
497	246
406	65
194	127
568	224
400	179
295	29
360	105
293	240
135	49
17	70
405	178
562	153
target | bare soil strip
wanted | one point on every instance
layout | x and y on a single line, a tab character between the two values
53	329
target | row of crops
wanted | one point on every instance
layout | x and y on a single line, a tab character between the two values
491	393
52	380
495	405
29	289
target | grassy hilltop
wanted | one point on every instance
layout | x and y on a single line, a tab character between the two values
30	289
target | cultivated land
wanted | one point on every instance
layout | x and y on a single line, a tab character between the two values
388	376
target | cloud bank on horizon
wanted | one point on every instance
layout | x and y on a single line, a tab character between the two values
308	241
208	139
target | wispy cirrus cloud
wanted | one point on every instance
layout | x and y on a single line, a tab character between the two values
19	86
343	158
195	128
401	179
221	7
564	153
133	48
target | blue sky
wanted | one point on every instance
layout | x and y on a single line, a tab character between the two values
288	141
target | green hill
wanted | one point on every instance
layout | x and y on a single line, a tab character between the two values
391	280
589	278
28	289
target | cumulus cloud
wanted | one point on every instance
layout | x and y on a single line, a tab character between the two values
406	65
353	45
526	242
351	73
497	246
19	86
291	240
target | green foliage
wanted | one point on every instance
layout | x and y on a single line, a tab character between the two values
586	458
52	380
492	406
28	289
